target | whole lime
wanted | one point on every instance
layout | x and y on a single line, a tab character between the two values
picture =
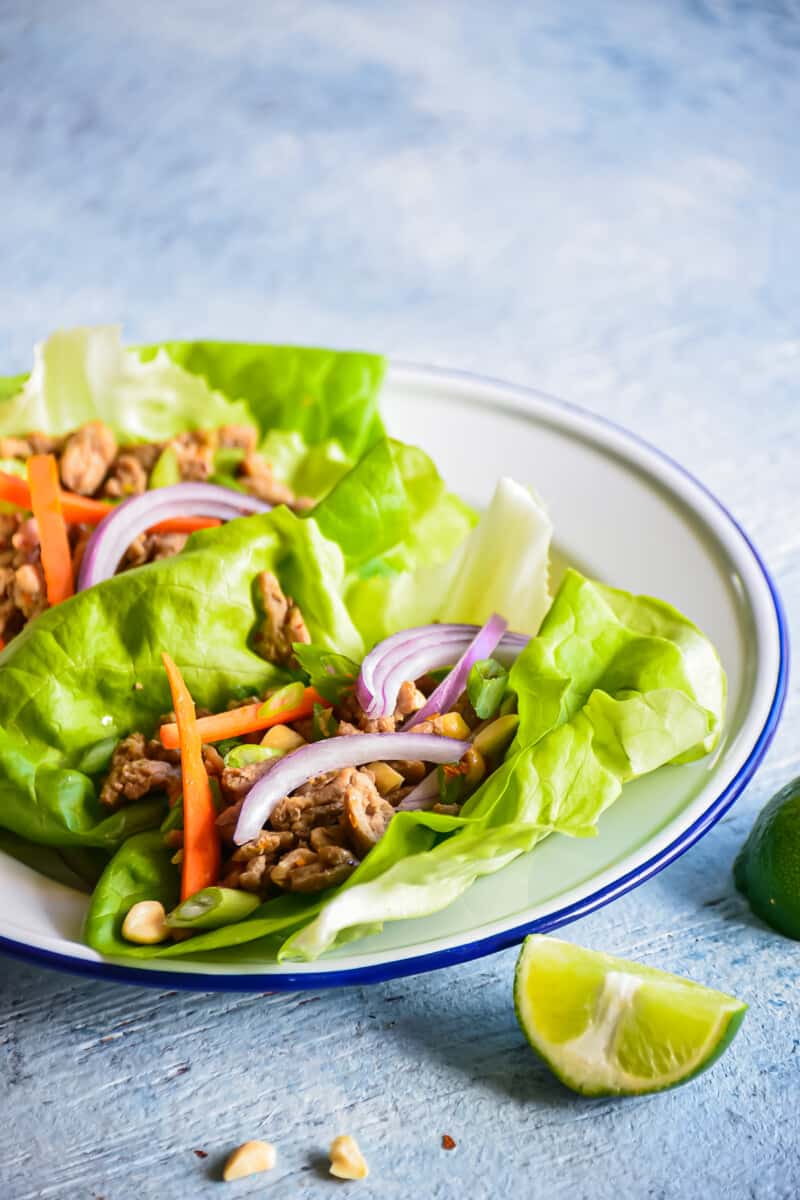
767	869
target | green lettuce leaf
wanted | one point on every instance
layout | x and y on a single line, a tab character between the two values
316	410
78	867
331	674
621	643
141	870
323	395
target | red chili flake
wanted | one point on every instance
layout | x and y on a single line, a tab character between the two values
201	1153
447	1142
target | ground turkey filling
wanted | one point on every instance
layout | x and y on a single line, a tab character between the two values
316	836
91	463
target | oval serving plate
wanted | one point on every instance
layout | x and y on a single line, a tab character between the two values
624	513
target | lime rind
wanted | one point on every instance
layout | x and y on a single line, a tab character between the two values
606	1026
767	868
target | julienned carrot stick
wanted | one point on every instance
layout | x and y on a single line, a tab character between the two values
239	721
78	510
46	507
185	524
201	847
83	510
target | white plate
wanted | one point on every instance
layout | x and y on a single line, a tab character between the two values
623	512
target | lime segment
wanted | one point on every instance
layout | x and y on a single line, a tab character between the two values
606	1026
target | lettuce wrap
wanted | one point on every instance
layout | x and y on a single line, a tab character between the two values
610	687
316	410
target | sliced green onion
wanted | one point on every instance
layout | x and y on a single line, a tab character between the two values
486	686
227	459
212	908
290	696
244	755
167	470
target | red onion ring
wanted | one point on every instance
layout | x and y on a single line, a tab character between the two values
112	537
444	697
424	795
329	755
412	652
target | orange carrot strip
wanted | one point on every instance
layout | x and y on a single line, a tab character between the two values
201	846
185	524
46	507
240	721
78	510
83	510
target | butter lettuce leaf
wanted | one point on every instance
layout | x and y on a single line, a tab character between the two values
323	395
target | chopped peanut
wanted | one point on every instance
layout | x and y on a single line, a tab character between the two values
451	725
249	1159
386	778
347	1161
282	738
146	923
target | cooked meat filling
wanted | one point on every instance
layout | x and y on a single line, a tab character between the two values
283	623
138	768
87	455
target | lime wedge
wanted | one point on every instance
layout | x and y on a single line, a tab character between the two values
610	1027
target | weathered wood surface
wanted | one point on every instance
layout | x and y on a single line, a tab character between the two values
601	201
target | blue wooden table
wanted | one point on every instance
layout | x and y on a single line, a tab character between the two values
600	200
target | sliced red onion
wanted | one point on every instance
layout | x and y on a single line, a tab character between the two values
412	652
422	796
381	665
429	651
112	537
330	755
443	697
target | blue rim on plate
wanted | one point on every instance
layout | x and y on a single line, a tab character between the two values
435	960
